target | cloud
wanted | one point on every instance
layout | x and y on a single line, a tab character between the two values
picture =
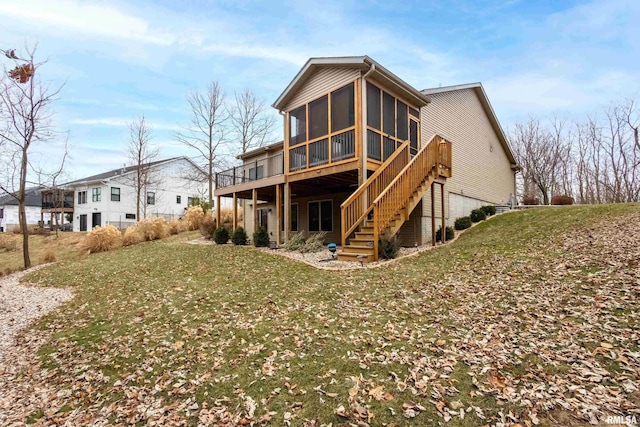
122	122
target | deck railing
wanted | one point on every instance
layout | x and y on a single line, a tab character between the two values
251	171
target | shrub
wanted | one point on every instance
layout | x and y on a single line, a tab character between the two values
449	234
193	217
49	255
208	226
175	226
530	200
388	246
561	200
462	223
477	215
488	210
102	239
314	242
153	228
221	236
295	242
132	236
8	244
261	238
239	236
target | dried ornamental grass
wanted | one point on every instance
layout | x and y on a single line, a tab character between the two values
208	225
153	228
193	217
132	236
176	226
102	239
49	256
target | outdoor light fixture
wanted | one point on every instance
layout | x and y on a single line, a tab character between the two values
361	259
332	248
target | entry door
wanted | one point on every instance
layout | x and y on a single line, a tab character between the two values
96	219
263	218
83	223
413	137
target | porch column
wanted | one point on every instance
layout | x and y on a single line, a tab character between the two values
278	214
234	220
444	224
287	211
255	209
218	224
433	214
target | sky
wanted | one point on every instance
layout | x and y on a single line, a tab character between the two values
119	60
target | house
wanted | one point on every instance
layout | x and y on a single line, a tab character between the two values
110	197
365	153
9	220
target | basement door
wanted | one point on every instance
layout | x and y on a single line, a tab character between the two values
96	219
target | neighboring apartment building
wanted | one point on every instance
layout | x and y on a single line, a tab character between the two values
9	220
365	153
110	197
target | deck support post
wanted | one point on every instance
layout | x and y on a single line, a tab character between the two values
218	223
443	235
287	211
234	223
433	214
254	194
278	213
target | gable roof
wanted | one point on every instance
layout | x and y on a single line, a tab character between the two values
125	170
488	109
364	63
32	198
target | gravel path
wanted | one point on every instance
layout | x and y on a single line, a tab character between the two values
20	305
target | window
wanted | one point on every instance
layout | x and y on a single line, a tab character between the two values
373	106
1	213
179	200
388	114
293	217
298	125
115	194
320	216
151	198
263	218
414	112
95	194
403	125
413	136
130	216
342	110
256	173
318	117
82	197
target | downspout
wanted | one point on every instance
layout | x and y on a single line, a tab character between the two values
372	68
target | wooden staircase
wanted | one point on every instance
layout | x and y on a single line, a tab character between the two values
385	201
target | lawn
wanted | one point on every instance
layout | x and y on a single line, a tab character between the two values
530	317
62	247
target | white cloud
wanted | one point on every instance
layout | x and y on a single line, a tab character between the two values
122	122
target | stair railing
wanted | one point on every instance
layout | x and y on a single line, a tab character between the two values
355	209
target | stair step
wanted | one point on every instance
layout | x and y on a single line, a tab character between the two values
358	249
359	241
353	257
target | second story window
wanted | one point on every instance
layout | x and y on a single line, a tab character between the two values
298	125
82	197
179	200
318	118
115	194
151	198
95	194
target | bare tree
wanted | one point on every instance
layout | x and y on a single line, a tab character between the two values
541	153
206	133
141	153
25	119
251	122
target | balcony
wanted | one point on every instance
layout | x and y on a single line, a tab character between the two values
251	172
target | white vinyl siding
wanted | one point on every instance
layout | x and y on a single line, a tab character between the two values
322	82
481	169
